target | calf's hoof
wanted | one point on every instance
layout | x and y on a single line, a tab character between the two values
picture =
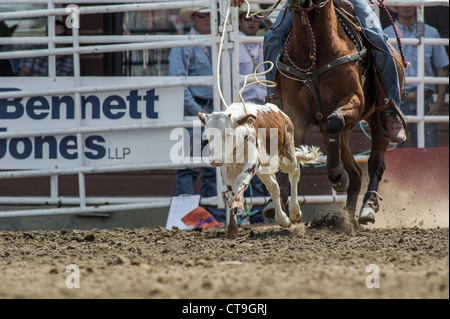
232	232
283	221
296	215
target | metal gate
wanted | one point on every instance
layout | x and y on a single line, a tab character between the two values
77	87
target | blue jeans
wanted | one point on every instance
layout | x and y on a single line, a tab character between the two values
431	129
275	39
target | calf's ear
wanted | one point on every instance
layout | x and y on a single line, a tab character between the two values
203	117
248	118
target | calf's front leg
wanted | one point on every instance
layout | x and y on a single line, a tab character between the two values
236	205
242	182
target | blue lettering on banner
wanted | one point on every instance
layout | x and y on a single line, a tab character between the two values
26	147
132	105
113	107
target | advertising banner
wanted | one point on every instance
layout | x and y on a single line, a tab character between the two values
99	109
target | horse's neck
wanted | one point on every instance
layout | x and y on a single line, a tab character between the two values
323	24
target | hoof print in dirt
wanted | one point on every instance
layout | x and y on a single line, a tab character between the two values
335	222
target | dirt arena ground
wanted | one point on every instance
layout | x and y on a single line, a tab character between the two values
304	261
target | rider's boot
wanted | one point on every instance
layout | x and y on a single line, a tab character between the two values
393	121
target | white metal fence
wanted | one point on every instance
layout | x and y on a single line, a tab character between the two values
421	118
87	204
126	43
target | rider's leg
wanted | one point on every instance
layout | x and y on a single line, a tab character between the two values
274	40
386	66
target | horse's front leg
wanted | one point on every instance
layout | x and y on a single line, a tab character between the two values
343	172
336	173
376	168
354	173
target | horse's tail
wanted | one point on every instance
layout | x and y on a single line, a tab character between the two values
307	154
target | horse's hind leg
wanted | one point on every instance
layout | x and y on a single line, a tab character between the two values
376	168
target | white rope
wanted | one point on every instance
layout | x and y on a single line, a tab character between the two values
266	83
220	56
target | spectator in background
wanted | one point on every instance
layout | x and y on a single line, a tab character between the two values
7	67
153	62
436	64
196	61
38	66
250	56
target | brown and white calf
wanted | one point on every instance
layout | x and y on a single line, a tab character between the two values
257	139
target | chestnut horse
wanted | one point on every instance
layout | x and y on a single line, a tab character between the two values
325	78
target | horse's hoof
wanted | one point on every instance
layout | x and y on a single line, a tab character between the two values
366	215
341	183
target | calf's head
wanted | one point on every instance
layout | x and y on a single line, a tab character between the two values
227	136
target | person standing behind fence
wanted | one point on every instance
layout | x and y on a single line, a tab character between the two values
38	66
196	61
7	66
251	54
436	64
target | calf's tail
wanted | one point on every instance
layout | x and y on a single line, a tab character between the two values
307	154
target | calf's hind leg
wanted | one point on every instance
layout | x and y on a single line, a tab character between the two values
272	186
293	170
